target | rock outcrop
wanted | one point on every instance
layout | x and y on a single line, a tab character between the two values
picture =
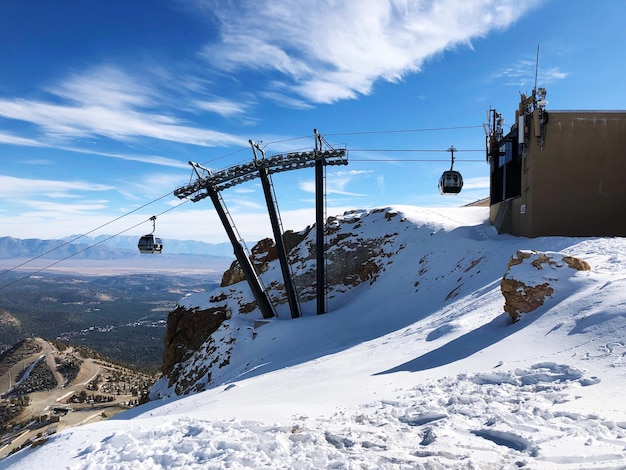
263	253
351	259
187	330
522	285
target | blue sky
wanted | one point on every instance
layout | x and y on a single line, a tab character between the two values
102	104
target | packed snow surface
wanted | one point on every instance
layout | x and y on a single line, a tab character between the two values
420	369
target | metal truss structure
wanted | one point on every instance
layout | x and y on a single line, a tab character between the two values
239	174
209	184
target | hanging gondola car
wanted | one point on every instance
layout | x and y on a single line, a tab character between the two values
451	181
150	244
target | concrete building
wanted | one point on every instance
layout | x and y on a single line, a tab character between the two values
558	172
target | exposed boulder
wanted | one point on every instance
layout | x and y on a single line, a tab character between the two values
263	253
232	275
522	285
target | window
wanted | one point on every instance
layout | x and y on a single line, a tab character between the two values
507	150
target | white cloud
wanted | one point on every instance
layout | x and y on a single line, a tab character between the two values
336	185
552	74
330	50
151	185
111	103
60	195
380	182
104	86
22	187
50	209
522	74
476	183
151	159
222	107
353	172
16	140
285	100
62	122
323	50
244	190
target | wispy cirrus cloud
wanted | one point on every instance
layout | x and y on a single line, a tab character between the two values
104	86
152	159
55	196
17	140
338	50
106	102
476	183
286	100
338	183
222	107
23	187
150	185
51	209
64	122
522	74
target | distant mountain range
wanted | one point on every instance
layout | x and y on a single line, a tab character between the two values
103	247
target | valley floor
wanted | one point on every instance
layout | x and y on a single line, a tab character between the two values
50	407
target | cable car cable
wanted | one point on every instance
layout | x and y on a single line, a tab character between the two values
389	131
234	153
6	271
68	242
238	151
482	160
395	131
414	150
19	279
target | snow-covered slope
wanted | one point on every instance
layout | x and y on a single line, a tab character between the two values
417	367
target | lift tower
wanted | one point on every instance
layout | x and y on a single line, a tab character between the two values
240	254
209	184
319	226
294	307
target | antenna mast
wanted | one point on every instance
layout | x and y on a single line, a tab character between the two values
536	68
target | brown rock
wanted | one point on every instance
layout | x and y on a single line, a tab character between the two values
186	331
576	263
519	297
232	275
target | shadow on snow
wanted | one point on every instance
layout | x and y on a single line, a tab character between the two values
466	345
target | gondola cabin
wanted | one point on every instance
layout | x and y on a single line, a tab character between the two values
149	244
451	182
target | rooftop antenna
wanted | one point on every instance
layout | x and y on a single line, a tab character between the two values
536	69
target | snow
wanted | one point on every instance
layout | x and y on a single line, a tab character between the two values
420	369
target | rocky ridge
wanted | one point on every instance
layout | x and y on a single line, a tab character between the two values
351	261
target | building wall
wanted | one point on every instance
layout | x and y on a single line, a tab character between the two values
575	185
